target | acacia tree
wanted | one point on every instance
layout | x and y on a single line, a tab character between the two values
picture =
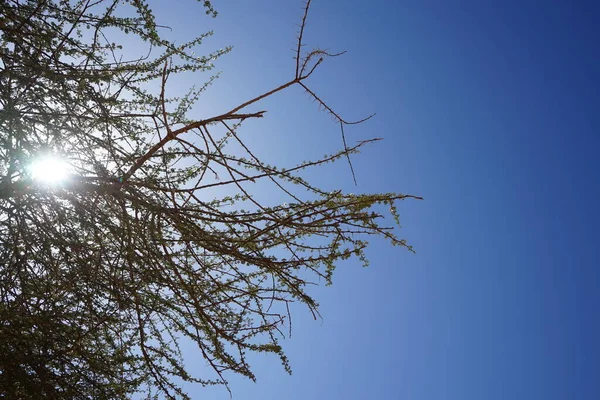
104	274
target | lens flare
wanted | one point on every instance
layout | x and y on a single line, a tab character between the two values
49	169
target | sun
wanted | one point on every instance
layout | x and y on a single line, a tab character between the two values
49	169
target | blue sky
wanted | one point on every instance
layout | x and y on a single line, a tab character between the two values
489	110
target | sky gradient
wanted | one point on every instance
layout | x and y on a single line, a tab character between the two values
490	111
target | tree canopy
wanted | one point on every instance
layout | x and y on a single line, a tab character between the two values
103	274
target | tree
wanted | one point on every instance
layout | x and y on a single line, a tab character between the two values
104	273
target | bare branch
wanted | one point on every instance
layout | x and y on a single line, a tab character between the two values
299	46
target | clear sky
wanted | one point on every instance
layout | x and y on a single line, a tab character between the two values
489	110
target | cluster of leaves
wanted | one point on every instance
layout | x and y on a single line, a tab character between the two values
102	277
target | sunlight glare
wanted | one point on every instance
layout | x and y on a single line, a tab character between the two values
49	169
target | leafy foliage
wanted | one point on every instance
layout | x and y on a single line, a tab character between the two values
103	276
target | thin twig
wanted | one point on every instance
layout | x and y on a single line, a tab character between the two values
347	153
